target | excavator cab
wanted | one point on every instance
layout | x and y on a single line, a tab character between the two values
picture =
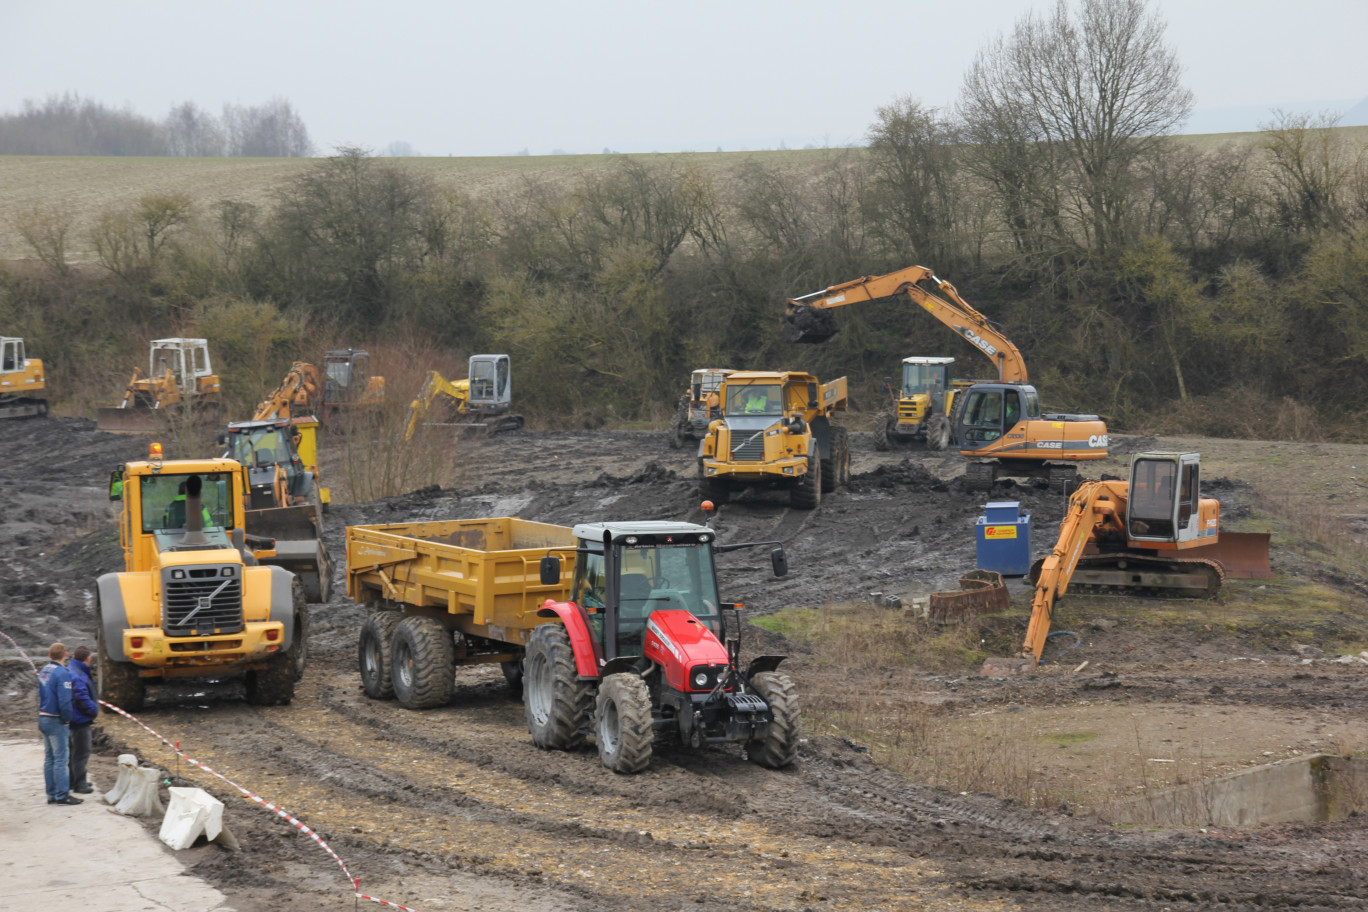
1165	499
992	410
345	373
490	383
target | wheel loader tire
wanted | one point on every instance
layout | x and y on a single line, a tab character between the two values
557	703
806	494
299	646
779	747
273	684
118	683
883	423
622	723
937	432
423	660
373	654
513	674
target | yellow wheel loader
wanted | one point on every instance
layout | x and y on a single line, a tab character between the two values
180	382
22	383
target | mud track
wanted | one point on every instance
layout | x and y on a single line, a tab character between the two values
454	808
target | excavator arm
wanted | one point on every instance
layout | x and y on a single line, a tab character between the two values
436	387
300	387
807	318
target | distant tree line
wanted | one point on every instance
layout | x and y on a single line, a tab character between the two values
1167	284
71	125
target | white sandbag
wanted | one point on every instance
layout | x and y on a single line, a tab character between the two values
191	811
127	764
141	798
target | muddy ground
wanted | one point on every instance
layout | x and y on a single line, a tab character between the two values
455	808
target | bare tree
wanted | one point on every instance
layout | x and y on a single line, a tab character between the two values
914	182
272	130
1308	169
1087	95
192	132
45	229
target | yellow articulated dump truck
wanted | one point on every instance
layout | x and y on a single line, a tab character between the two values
776	431
193	600
613	631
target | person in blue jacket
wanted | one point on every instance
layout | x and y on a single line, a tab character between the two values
54	715
84	709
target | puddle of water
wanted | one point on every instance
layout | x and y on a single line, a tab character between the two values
1302	790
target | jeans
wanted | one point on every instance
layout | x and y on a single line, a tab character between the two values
80	754
55	744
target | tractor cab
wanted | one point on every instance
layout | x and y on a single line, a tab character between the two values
926	377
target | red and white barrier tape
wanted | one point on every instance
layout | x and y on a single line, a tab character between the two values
250	796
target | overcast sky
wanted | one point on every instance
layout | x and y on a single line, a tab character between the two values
494	78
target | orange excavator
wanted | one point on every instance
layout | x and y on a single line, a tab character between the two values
1154	535
342	387
998	424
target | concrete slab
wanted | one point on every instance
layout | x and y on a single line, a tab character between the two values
86	856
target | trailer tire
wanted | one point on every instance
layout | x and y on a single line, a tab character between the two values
806	493
273	684
117	683
557	703
373	654
423	660
513	674
622	723
299	646
779	747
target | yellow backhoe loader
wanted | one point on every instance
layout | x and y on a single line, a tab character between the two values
342	387
180	382
22	383
479	402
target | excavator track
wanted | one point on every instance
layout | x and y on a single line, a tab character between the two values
1151	576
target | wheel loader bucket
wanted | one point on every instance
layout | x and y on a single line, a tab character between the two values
130	420
1243	554
297	546
804	324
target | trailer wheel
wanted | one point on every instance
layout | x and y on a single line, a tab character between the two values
806	494
779	747
622	723
424	663
117	682
513	674
272	684
556	701
299	647
373	654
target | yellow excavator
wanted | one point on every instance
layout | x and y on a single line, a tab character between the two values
480	402
1153	535
343	386
998	424
179	381
22	383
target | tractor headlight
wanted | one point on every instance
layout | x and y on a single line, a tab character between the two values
700	679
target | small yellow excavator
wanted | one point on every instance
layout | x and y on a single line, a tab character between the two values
1154	535
22	383
480	402
180	381
998	424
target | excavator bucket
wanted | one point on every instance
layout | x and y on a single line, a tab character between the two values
134	420
808	325
1242	554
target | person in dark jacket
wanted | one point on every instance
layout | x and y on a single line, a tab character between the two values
84	709
54	715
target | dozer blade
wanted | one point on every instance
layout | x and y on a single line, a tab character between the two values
807	325
1241	554
130	420
980	592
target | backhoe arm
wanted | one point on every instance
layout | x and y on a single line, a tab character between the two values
301	382
434	387
806	318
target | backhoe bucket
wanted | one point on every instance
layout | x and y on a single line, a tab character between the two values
801	323
134	420
1243	554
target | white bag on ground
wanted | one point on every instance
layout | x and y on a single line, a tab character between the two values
141	797
127	764
191	811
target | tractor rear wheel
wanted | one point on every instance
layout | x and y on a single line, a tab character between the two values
622	723
117	683
373	654
557	703
779	747
806	494
424	660
882	428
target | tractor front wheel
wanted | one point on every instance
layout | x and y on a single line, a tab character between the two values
557	703
424	660
622	723
373	654
779	747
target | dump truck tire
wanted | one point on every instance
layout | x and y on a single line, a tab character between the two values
882	422
118	683
779	747
424	663
557	703
373	654
622	723
806	494
836	470
299	648
273	684
679	431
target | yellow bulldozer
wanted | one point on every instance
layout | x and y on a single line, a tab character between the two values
480	402
776	431
179	382
22	383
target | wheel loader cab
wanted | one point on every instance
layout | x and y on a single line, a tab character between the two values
163	501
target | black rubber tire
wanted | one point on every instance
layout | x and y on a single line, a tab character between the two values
299	646
556	702
806	493
274	684
622	723
836	470
779	747
423	663
679	431
937	432
714	489
117	683
882	423
513	674
373	654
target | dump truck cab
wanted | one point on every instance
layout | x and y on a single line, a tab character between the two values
22	383
192	600
776	430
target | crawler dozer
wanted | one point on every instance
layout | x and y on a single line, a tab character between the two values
480	402
180	382
700	405
22	383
